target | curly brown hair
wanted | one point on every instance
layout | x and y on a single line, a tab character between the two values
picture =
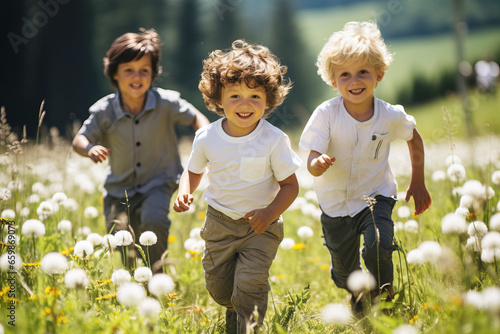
133	46
255	64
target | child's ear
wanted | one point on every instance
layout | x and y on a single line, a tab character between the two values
219	104
334	84
380	75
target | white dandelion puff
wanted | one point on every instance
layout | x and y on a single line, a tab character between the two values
452	159
359	281
90	212
473	245
5	194
431	250
59	197
287	243
70	204
195	233
474	299
491	299
411	226
33	228
311	195
495	222
491	240
336	314
109	241
84	230
130	294
10	262
405	329
142	274
149	307
54	263
461	211
415	257
94	238
404	212
34	198
490	255
495	177
8	214
148	238
76	278
438	176
123	238
45	210
120	277
477	229
453	224
456	172
305	232
83	249
64	226
161	284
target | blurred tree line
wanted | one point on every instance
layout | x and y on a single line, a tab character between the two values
52	50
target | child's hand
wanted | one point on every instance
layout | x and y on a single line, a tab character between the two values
320	164
421	197
182	202
98	153
259	220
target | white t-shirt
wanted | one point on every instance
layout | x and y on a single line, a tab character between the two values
243	172
361	150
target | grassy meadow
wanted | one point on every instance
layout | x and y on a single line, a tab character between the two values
446	274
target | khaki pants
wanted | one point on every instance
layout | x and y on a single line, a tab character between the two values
237	262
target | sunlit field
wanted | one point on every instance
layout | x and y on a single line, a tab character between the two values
61	273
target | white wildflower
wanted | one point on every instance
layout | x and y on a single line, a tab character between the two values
12	239
161	284
309	209
5	194
83	249
456	172
59	197
405	329
359	281
142	274
33	228
64	226
149	307
287	243
473	188
109	241
473	244
25	212
474	299
401	196
297	203
490	255
398	226
461	211
495	177
84	230
10	262
130	294
39	188
123	238
195	233
411	226
495	222
467	201
45	210
305	232
491	299
438	175
311	195
431	250
120	277
76	278
94	238
491	240
34	198
453	224
336	314
477	229
415	256
90	212
452	159
148	238
8	214
54	263
404	212
70	204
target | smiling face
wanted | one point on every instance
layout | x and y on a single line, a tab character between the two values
356	83
134	78
243	108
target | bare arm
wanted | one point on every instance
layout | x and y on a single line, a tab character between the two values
417	187
85	148
199	121
187	185
318	163
262	218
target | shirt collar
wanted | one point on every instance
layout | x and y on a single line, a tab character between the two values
151	102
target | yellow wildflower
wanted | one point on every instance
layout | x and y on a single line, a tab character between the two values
414	319
112	295
171	238
34	264
425	306
437	308
103	283
62	319
325	267
34	297
172	295
201	215
193	252
67	251
52	290
47	311
299	246
4	291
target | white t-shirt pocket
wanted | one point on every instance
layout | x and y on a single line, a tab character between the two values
378	145
252	168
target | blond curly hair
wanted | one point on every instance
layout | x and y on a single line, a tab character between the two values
358	41
254	64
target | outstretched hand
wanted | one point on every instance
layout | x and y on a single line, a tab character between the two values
421	197
98	153
182	202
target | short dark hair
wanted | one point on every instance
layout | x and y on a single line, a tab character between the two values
133	46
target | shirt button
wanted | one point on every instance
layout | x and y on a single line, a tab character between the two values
138	164
136	122
138	143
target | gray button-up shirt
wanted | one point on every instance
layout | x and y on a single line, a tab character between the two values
143	148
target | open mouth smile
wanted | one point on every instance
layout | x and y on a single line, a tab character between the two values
356	91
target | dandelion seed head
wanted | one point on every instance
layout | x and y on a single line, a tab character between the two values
398	226
59	197
401	196
456	172
64	226
123	238
54	263
33	228
109	241
461	211
298	203
452	159
8	214
308	209
120	277
490	255
477	229
84	230
287	243
148	238
453	224
336	314
311	195
45	210
491	240
359	281
473	188
90	212
495	222
70	204
76	278
195	233
305	232
467	201
12	239
5	194
142	274
473	244
130	294
404	212
25	212
491	299
431	250
83	249
438	176
411	226
6	262
160	285
149	308
495	177
415	257
405	329
474	299
95	239
34	198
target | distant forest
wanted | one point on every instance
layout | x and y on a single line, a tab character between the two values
52	50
